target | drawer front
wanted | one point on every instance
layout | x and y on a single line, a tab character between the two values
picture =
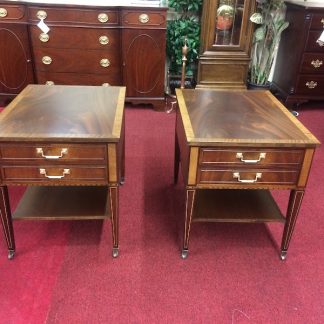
144	18
58	174
74	15
52	78
311	85
10	13
54	153
313	63
78	37
74	60
312	45
247	177
211	157
317	21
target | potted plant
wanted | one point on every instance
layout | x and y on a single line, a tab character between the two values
270	18
183	28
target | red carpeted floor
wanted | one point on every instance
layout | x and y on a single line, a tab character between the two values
63	272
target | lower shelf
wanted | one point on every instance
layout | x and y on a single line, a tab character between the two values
245	206
64	203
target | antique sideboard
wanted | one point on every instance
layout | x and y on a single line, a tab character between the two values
88	43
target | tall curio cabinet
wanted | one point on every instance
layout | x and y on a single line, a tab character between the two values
226	38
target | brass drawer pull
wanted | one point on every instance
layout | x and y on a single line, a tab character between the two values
3	12
44	37
322	21
47	60
104	62
103	40
41	14
65	172
143	18
40	151
103	17
106	84
49	83
240	156
311	84
317	63
236	175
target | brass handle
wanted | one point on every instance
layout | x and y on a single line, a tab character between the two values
40	151
316	63
143	18
49	83
3	12
41	14
65	171
103	40
44	37
311	84
47	60
322	21
104	62
103	17
106	84
240	156
236	175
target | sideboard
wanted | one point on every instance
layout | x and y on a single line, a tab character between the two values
88	43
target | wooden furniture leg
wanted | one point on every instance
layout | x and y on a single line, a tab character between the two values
113	199
6	221
176	160
295	200
190	200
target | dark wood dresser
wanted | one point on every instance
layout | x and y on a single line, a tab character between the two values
89	43
299	71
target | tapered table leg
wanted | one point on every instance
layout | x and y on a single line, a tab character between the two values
114	203
176	159
6	220
190	200
295	200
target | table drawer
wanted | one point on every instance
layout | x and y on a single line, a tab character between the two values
312	63
317	21
74	60
247	177
210	157
78	37
46	174
143	18
12	12
54	153
74	15
310	85
312	45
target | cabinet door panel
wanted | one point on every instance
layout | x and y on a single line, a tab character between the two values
144	59
15	63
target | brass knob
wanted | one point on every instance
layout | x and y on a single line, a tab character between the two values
311	84
103	17
317	63
46	60
143	18
103	40
44	37
50	83
106	84
3	12
41	14
104	62
322	21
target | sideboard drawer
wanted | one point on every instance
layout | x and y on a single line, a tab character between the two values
312	45
144	18
312	63
79	15
317	21
78	37
12	12
311	84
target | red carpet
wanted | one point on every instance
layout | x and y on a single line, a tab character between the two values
63	272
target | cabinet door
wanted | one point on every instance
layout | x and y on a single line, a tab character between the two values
143	62
15	60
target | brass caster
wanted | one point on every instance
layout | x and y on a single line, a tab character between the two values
184	254
283	255
11	254
115	252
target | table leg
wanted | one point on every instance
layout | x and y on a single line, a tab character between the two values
176	159
114	203
295	200
122	180
6	220
190	200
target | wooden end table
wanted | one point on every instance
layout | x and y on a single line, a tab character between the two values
66	144
240	139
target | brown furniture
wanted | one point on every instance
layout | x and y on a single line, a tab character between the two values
299	71
226	38
99	43
234	147
66	143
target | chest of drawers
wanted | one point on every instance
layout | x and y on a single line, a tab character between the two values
299	71
85	45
